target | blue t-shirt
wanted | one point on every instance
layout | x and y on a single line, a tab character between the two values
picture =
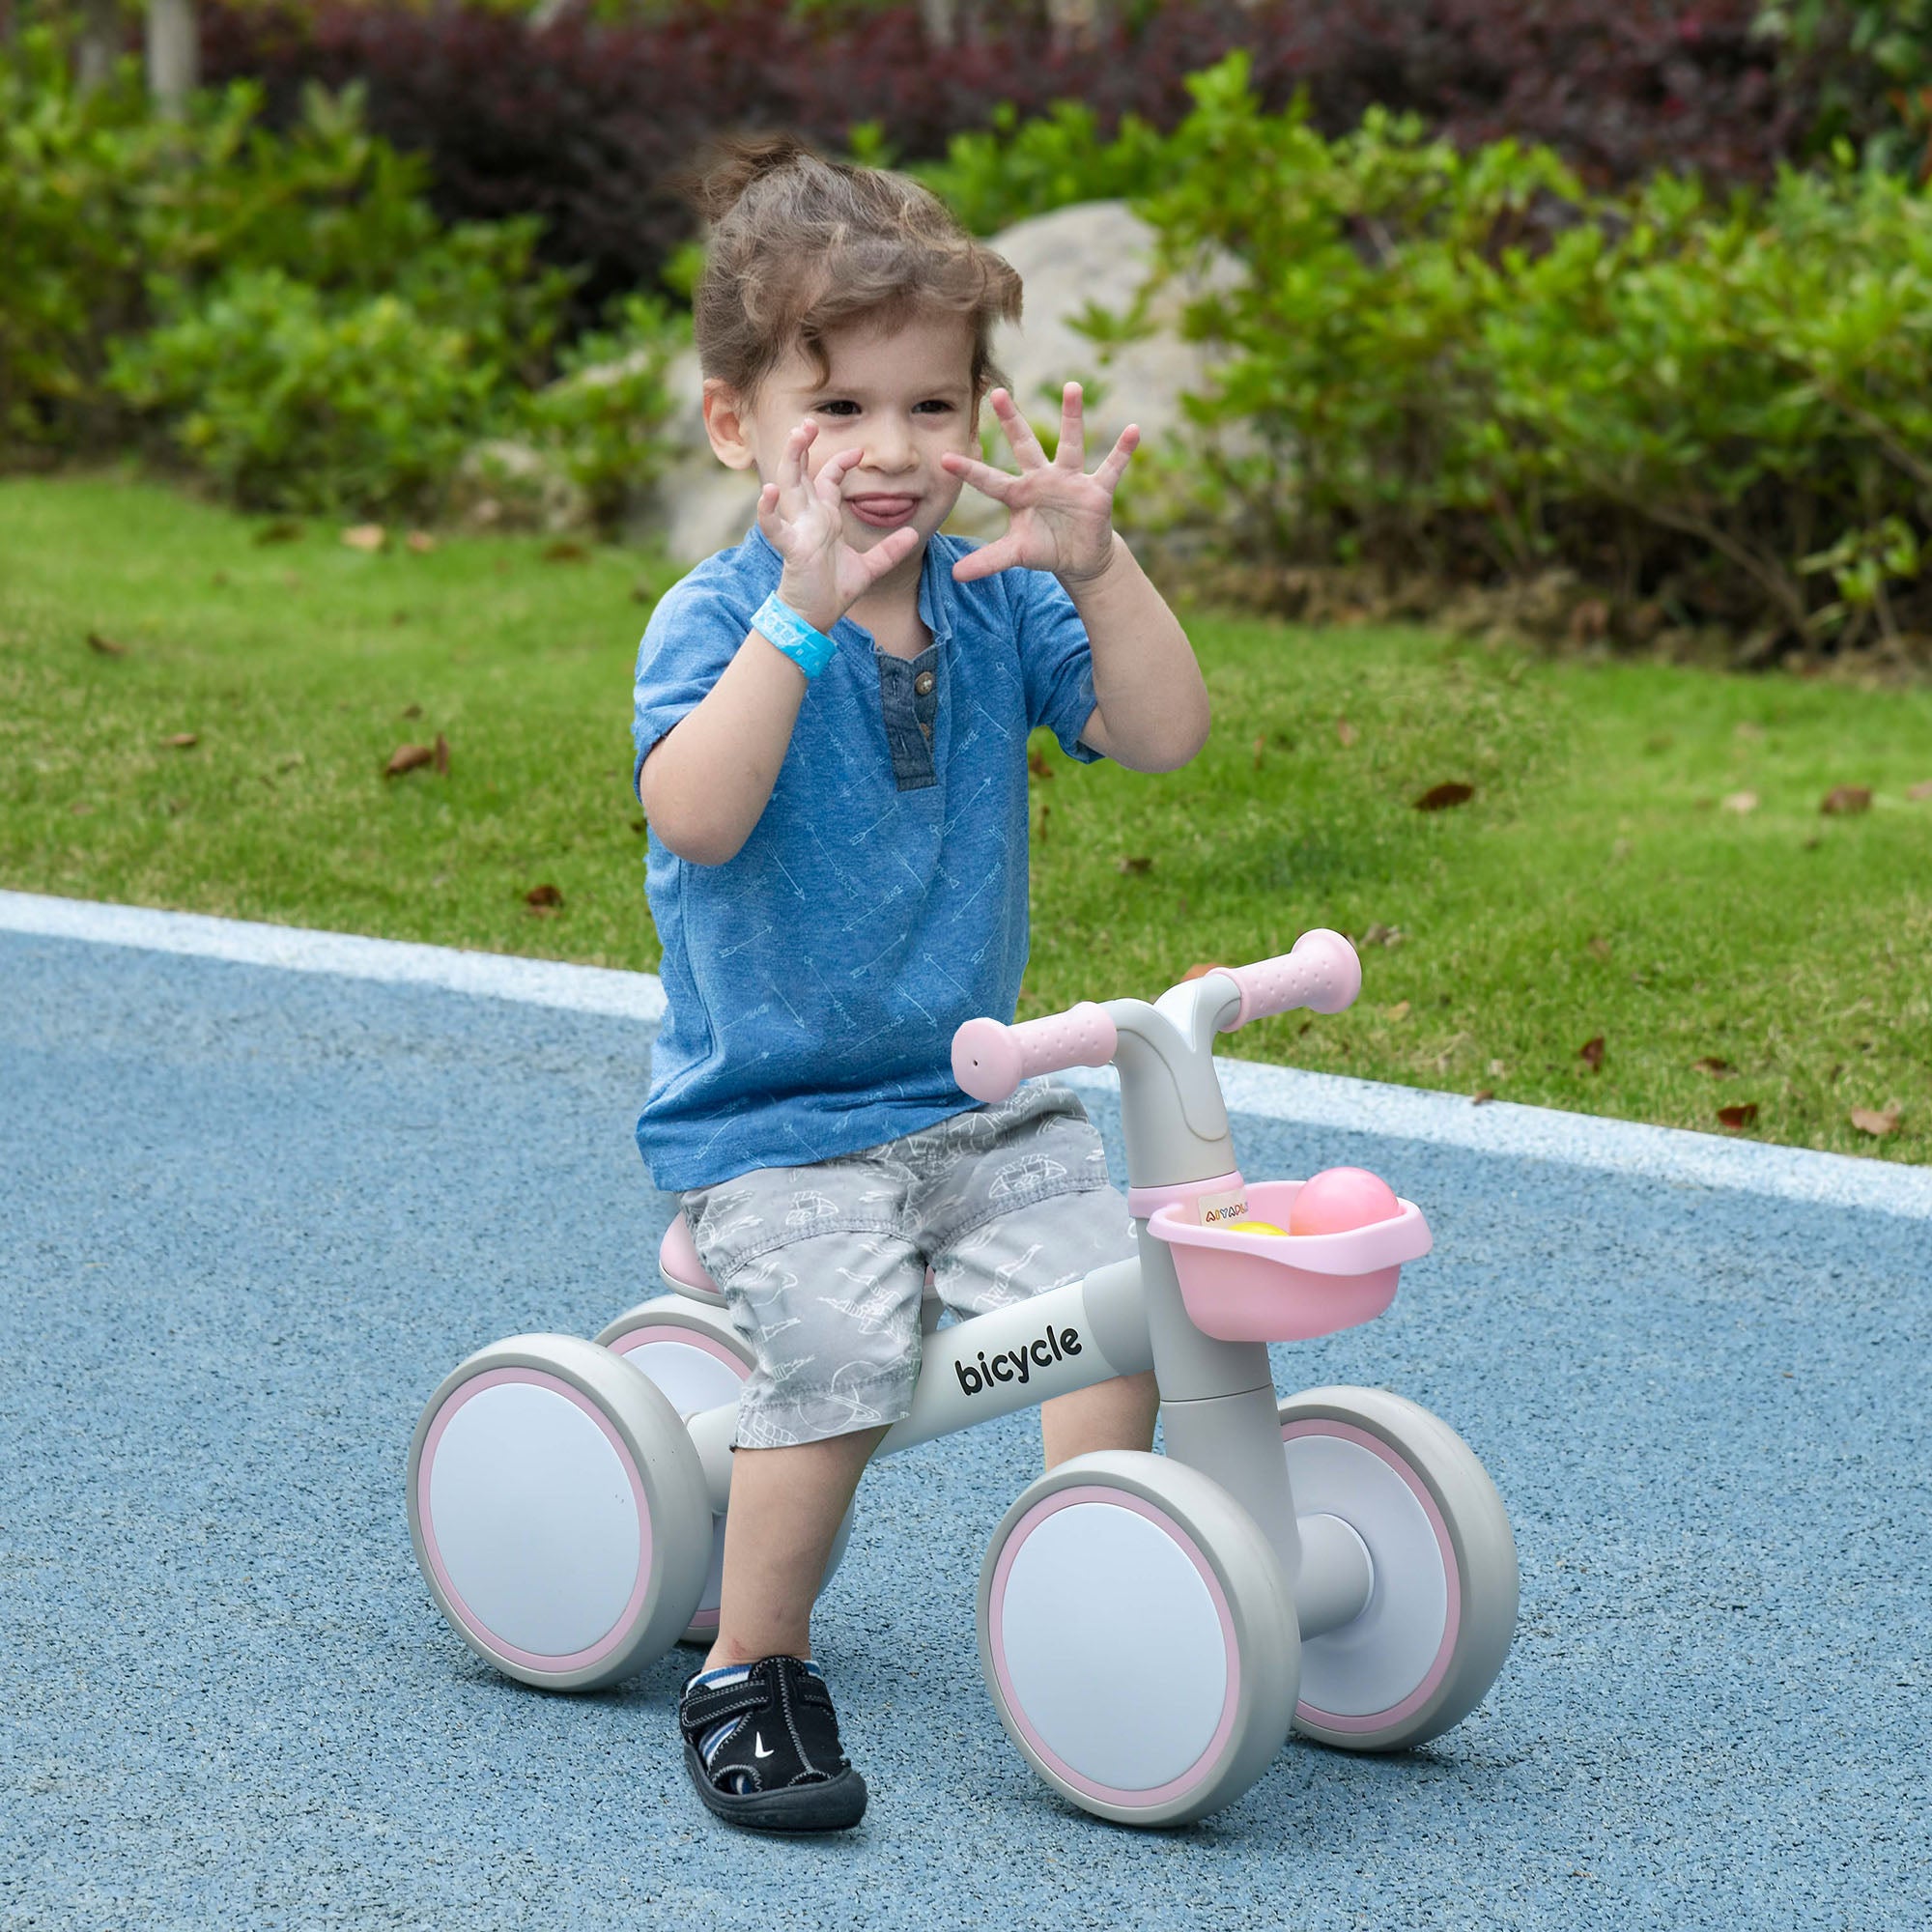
814	981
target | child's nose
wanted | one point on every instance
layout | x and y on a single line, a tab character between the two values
889	447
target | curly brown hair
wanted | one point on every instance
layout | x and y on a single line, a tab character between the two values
801	245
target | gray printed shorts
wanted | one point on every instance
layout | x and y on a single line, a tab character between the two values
823	1268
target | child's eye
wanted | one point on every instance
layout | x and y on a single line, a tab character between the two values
841	404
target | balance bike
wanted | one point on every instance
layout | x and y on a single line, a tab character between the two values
1149	1627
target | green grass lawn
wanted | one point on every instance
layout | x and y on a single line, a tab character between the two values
1599	883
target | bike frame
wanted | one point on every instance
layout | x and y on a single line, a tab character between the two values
1218	1404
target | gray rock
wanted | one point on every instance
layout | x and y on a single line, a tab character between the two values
508	486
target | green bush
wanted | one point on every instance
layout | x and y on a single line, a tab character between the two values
293	401
1871	62
1466	362
602	420
112	218
1014	170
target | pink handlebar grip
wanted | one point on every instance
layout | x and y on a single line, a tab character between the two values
990	1059
1322	972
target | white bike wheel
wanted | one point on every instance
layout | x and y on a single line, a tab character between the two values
696	1357
559	1512
1137	1637
1442	1605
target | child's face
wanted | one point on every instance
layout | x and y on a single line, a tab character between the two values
902	398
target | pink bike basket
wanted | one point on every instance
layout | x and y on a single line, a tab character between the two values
1285	1287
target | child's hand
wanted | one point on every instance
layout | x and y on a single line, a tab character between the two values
1061	519
823	575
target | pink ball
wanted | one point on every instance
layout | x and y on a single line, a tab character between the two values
1341	1198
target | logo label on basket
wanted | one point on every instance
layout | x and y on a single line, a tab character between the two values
1016	1365
1229	1205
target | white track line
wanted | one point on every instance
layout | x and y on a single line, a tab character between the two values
1689	1159
539	983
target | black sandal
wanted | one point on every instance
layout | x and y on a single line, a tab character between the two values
775	1763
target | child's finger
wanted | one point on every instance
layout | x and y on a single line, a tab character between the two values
1072	452
768	503
986	561
1019	431
1114	466
885	556
981	476
791	468
831	472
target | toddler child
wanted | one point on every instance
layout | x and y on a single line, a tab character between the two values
831	724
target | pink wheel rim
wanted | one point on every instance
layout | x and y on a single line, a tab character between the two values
658	1333
1095	1493
613	1637
1451	1623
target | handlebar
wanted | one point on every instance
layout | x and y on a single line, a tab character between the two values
989	1061
1321	971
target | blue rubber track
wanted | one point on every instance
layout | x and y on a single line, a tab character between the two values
250	1217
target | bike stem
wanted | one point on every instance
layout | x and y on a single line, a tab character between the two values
1218	1410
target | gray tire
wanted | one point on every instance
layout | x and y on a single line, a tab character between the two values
559	1512
1137	1638
1442	1607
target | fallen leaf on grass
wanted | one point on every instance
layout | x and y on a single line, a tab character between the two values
1398	1011
107	646
1439	798
1739	1116
284	529
1920	791
1481	1094
544	901
442	754
1345	732
413	711
1037	763
1717	1068
408	758
185	741
1260	745
1132	865
1379	934
421	542
1868	1121
1846	798
1740	801
1600	946
1589	620
1591	1053
365	536
564	550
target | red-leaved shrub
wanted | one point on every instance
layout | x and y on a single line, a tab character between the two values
581	123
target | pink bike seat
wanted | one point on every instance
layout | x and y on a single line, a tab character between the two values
678	1262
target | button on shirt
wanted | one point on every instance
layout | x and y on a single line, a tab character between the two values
814	981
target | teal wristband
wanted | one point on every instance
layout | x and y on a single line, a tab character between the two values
809	649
